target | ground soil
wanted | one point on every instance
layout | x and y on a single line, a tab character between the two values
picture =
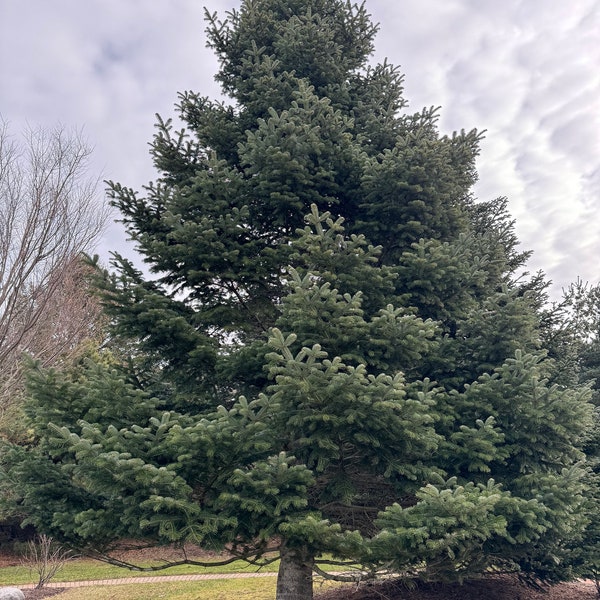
43	593
491	588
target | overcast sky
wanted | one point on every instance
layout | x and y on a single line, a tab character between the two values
527	71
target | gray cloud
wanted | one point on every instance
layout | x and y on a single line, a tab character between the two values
524	70
528	75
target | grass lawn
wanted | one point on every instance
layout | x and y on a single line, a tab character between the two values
85	569
226	589
221	589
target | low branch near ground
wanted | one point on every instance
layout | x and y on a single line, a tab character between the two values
250	559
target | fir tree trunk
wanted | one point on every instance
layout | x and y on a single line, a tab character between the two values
294	580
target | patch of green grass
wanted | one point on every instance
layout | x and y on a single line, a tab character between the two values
222	589
82	570
91	570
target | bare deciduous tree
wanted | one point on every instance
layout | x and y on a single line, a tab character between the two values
45	558
50	213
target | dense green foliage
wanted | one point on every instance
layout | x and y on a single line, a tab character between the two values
335	352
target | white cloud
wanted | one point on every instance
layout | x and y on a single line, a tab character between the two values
525	70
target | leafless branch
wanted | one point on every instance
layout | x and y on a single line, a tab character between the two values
50	214
45	558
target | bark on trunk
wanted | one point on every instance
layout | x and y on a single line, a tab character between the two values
294	580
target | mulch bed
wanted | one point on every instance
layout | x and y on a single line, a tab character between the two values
491	588
43	593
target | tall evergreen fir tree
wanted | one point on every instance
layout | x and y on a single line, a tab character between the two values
334	353
577	344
